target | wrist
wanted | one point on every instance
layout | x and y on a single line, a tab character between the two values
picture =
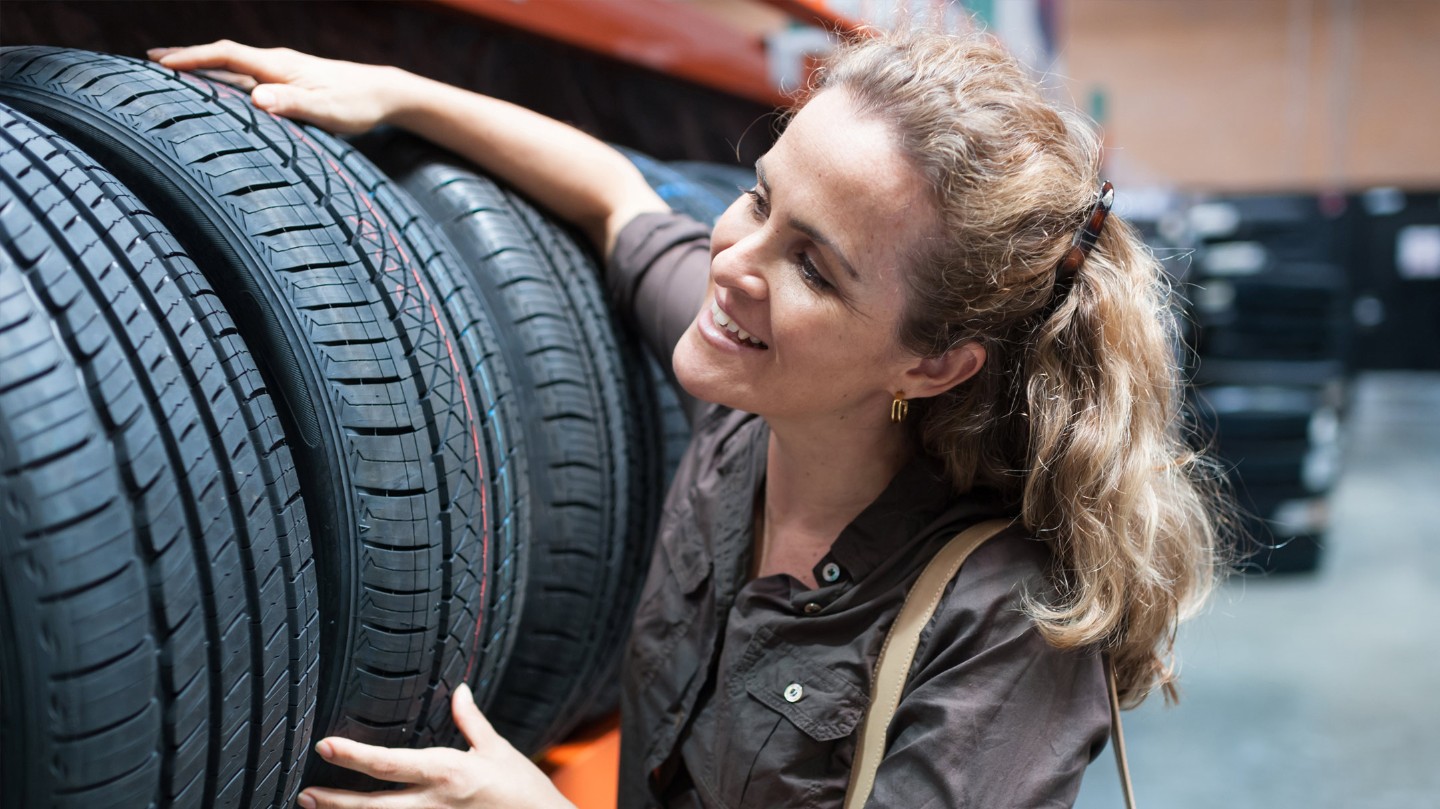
401	94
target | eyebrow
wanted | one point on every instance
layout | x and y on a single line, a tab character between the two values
809	229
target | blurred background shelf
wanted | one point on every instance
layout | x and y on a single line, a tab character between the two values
1317	691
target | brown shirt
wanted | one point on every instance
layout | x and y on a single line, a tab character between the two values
744	692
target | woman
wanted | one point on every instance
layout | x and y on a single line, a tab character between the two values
897	336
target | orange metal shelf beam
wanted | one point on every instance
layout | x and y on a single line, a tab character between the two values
817	13
669	37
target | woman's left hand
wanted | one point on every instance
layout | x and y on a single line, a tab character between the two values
491	774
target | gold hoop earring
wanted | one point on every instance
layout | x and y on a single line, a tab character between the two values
899	408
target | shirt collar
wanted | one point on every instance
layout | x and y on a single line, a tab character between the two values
916	503
914	498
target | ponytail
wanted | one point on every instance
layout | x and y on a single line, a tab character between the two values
1109	476
1076	419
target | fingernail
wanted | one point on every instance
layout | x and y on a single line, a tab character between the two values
324	749
305	801
263	96
464	688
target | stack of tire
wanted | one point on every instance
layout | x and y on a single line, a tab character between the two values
1272	309
290	447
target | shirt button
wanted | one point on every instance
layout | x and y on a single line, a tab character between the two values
830	573
812	608
793	692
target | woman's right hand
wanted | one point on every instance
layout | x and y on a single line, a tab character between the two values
343	97
576	177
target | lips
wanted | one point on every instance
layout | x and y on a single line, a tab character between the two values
732	329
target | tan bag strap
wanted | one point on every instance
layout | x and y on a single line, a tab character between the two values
892	670
1117	736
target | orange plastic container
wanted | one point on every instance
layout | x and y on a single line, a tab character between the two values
586	767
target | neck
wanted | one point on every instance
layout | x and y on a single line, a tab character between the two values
819	479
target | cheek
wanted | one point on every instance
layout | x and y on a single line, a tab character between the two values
818	332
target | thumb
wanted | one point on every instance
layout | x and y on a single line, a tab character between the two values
473	724
283	99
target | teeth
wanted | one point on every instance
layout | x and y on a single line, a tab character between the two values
724	321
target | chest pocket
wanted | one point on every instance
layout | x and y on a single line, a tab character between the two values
795	716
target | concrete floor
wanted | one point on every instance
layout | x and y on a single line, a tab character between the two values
1317	691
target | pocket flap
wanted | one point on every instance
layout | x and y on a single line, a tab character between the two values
685	554
823	704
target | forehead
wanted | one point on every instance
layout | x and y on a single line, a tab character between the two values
844	172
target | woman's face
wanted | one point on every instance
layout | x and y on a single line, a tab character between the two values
809	266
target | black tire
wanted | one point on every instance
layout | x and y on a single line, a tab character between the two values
697	199
727	182
492	602
372	347
594	455
159	630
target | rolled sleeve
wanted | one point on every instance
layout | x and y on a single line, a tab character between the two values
657	276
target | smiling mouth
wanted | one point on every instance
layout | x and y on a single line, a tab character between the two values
735	333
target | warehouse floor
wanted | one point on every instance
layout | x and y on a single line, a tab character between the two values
1317	690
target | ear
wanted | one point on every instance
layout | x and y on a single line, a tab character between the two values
932	376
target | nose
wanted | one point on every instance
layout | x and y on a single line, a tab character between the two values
740	265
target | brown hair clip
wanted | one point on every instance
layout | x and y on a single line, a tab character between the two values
1084	241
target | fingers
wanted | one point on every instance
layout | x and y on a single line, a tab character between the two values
473	724
323	798
285	99
264	65
239	80
317	107
387	764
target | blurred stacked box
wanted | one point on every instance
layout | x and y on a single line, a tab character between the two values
1272	315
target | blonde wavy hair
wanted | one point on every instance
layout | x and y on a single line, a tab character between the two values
1076	418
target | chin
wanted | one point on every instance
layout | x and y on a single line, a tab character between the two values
698	375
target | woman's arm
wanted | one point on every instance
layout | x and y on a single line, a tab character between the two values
578	178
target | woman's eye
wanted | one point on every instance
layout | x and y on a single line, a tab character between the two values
811	274
759	206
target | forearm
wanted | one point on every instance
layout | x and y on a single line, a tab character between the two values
575	176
